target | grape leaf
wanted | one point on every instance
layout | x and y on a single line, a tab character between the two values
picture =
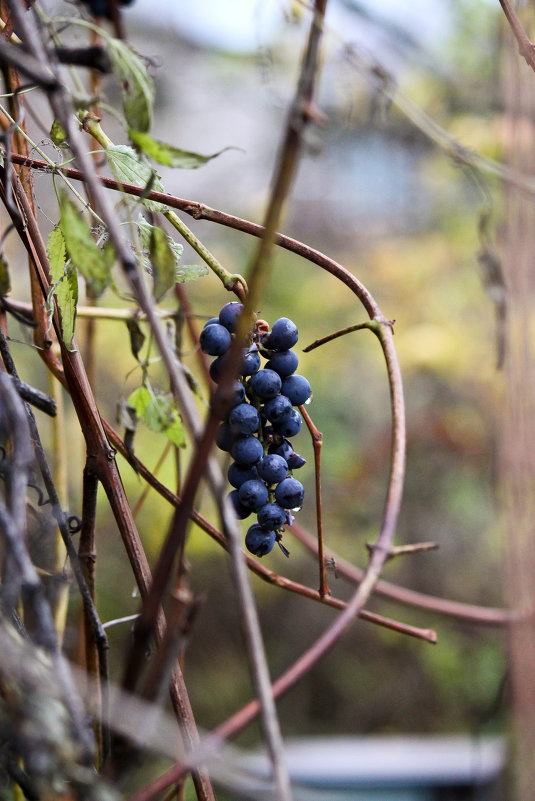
83	251
185	272
159	413
168	154
163	262
128	169
136	84
65	284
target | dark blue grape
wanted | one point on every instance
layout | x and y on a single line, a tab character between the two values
253	494
290	425
277	408
295	461
238	393
290	493
224	437
284	362
271	516
211	321
238	475
246	451
217	368
250	363
284	449
229	314
283	335
240	510
244	419
215	340
296	388
258	541
266	384
272	468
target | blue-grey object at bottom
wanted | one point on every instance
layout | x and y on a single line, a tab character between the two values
404	768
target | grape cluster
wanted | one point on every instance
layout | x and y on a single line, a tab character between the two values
260	423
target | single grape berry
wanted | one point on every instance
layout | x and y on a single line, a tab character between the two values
266	384
238	393
290	425
215	339
211	321
284	362
229	314
277	408
243	419
271	516
258	541
283	449
295	461
246	451
224	437
297	389
240	510
250	363
272	468
238	475
253	494
217	367
283	335
290	493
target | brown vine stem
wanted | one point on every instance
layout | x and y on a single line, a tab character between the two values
103	463
260	570
317	442
370	325
526	47
470	613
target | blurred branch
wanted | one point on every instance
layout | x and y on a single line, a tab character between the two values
526	48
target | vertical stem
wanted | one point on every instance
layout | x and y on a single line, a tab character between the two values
317	442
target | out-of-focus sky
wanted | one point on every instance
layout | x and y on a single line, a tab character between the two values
240	25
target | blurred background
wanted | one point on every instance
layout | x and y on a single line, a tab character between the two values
376	192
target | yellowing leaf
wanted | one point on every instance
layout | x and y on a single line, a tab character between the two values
136	84
168	154
65	284
83	251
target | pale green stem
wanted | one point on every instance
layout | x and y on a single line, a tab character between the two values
229	280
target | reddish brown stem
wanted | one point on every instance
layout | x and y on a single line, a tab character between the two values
317	442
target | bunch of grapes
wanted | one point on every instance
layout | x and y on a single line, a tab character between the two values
260	423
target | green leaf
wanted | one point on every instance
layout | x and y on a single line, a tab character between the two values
139	400
83	251
136	84
175	432
190	272
57	134
163	262
127	168
159	413
65	284
168	154
56	251
145	232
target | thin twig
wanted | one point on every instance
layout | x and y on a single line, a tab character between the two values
525	45
317	442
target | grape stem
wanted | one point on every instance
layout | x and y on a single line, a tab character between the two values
317	442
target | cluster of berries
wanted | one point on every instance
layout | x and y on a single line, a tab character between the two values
259	424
